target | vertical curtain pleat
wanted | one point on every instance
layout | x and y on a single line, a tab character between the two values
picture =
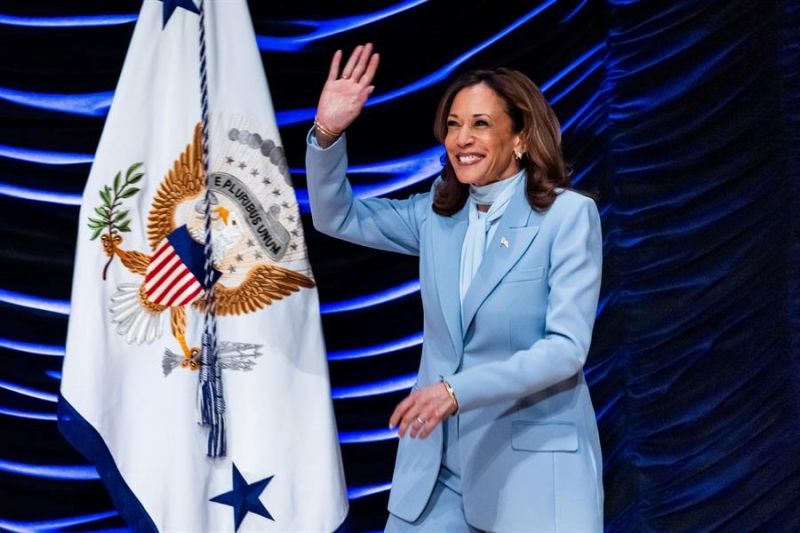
699	231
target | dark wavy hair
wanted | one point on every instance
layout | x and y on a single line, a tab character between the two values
531	116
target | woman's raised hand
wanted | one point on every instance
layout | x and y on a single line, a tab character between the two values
344	95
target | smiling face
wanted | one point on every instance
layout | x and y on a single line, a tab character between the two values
480	140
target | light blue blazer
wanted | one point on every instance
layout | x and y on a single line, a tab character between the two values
513	352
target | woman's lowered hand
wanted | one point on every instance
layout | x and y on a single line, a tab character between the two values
422	410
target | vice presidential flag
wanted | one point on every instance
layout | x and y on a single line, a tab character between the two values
134	350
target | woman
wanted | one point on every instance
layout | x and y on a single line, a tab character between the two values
499	433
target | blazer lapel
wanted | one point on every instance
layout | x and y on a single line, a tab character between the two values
448	238
513	237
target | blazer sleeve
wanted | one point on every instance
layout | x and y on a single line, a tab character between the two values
574	281
382	223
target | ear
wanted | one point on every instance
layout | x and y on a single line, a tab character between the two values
519	146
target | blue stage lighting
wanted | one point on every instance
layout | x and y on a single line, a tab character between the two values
68	21
29	392
62	472
32	347
372	435
16	413
357	493
38	195
379	349
44	157
60	307
370	300
56	523
326	28
294	116
88	104
372	389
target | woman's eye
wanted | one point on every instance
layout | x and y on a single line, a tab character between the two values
452	123
481	123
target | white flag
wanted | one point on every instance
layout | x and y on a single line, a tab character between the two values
130	379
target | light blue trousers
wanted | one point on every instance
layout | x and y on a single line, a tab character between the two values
443	514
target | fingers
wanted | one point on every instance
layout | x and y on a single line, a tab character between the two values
405	423
361	64
351	62
333	73
364	93
417	425
413	422
372	67
434	414
425	422
420	412
404	414
400	411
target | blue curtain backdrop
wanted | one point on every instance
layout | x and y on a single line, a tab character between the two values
682	117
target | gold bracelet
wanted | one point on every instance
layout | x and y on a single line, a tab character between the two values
325	131
452	394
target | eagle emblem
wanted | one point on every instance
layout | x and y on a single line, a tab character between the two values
247	241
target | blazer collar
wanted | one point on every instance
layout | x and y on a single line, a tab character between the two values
447	242
515	232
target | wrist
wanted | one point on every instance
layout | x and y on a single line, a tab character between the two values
452	394
325	135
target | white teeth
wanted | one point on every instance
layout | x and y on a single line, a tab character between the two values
466	159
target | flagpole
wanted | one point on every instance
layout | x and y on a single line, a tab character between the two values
212	402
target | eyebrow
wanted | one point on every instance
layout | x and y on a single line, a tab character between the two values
473	116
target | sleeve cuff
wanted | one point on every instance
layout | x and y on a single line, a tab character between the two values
311	140
461	389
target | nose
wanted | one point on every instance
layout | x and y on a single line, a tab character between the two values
464	136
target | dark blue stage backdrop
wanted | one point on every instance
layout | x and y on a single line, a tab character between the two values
682	117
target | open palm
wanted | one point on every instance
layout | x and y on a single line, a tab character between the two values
343	96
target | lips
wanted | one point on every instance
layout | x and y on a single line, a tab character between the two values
469	159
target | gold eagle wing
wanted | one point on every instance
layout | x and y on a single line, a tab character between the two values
185	180
136	262
263	285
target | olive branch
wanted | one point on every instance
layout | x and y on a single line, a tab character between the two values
109	217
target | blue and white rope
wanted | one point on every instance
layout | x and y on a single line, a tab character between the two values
212	402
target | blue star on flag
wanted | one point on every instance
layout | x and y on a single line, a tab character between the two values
171	5
244	498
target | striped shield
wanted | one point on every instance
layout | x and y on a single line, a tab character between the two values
176	272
